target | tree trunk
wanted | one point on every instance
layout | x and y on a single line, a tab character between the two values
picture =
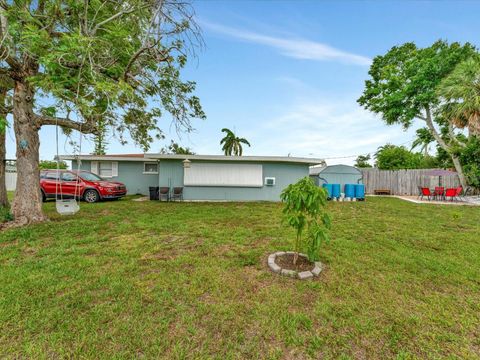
3	187
459	168
27	204
446	147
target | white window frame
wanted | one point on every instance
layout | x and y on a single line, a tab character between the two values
95	167
150	172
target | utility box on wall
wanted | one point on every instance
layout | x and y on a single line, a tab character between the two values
269	181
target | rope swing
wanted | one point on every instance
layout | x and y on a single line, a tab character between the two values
67	206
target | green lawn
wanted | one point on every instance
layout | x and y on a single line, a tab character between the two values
131	279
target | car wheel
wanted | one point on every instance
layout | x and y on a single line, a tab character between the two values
44	197
91	196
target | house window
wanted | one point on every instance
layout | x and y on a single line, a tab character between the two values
105	168
150	168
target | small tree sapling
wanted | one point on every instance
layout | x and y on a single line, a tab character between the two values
305	210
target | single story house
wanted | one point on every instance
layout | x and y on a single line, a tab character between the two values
336	174
203	177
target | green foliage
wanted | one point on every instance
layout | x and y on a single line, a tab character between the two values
100	140
429	83
392	157
3	124
461	92
403	82
305	209
5	214
232	144
175	148
51	164
423	140
470	158
362	161
112	63
444	159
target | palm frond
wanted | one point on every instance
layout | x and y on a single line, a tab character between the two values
244	141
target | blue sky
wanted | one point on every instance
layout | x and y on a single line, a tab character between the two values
286	74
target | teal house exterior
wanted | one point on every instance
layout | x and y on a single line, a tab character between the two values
202	177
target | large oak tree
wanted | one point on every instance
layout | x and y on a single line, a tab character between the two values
404	85
6	85
78	64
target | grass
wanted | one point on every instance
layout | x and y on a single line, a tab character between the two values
131	279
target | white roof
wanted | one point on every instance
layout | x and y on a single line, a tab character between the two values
146	157
236	158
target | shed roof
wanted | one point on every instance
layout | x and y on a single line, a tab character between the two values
334	169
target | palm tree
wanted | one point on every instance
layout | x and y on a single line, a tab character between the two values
423	140
232	144
461	91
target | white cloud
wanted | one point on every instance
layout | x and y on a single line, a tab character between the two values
314	127
325	129
292	47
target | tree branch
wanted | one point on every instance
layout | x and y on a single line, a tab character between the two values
87	127
4	50
113	17
133	59
453	137
164	57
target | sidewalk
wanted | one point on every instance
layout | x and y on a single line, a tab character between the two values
467	200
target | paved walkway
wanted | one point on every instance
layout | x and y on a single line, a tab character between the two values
467	200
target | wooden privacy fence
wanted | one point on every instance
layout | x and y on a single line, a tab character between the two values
404	182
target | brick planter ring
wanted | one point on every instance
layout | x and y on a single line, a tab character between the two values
292	273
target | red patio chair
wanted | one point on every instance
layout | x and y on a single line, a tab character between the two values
426	192
451	193
459	192
439	192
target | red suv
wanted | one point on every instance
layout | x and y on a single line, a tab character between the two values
81	184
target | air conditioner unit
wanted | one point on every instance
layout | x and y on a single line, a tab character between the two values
269	181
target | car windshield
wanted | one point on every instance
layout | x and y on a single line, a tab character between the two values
90	176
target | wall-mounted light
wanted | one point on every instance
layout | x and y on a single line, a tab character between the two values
186	164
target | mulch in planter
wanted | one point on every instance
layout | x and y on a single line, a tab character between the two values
286	262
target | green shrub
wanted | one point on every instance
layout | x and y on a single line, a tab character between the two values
5	214
47	164
305	209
